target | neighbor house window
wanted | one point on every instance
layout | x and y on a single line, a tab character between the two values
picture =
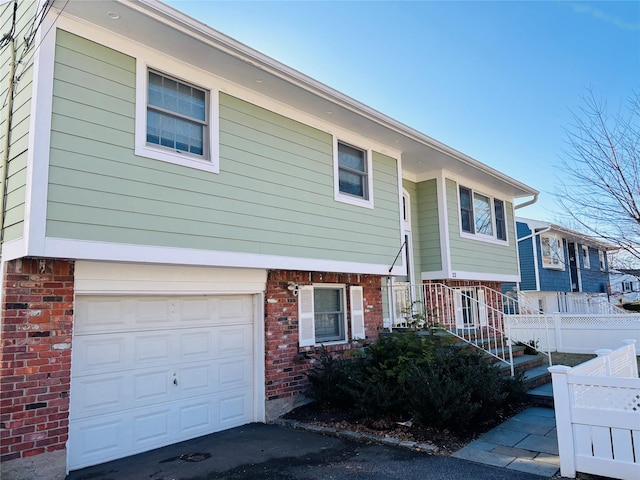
601	259
176	120
627	287
176	115
586	262
322	314
482	215
353	175
552	252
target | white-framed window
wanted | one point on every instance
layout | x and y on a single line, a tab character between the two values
627	287
322	314
176	119
586	262
482	215
352	174
601	260
552	251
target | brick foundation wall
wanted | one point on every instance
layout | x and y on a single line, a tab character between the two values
35	362
285	363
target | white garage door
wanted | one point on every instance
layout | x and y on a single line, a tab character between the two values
155	370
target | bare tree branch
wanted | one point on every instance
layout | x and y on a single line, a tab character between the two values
600	173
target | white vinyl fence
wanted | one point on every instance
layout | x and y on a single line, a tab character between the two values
572	333
597	405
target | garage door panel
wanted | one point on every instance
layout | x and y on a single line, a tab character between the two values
96	354
152	427
235	408
232	341
173	369
98	394
151	386
101	314
234	373
153	349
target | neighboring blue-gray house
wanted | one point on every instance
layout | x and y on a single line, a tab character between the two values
561	269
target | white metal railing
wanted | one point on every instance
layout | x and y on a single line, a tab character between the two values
597	407
472	313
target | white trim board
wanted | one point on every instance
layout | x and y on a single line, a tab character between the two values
111	278
118	252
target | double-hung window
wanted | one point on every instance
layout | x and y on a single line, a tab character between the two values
601	259
552	251
322	313
176	115
353	174
482	215
176	120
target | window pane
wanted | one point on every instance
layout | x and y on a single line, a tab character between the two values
166	97
482	212
329	315
351	183
501	227
351	158
466	211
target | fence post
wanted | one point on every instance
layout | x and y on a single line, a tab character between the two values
604	354
631	342
558	331
562	404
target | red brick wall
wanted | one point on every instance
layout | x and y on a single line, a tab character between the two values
285	363
35	362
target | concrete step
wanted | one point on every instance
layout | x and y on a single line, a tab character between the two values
542	395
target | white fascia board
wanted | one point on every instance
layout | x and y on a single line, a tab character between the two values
475	276
118	252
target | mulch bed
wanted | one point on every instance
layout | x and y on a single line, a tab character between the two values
447	442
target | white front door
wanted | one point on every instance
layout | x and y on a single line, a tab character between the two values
470	307
148	371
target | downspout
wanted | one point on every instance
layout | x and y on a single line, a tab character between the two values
7	133
528	202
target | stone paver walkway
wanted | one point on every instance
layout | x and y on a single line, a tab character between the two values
526	442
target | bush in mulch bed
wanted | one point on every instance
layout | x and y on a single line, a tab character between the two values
426	379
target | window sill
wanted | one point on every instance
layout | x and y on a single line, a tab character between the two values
351	200
484	238
182	159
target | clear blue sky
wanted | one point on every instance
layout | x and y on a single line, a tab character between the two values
496	80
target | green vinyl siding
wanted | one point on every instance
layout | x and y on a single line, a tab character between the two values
429	226
15	187
470	255
273	195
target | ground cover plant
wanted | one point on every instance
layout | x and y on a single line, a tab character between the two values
427	383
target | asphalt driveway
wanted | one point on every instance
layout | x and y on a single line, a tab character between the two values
272	452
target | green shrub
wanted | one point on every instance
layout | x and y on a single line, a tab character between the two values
426	378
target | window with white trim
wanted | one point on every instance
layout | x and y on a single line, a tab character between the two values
552	252
627	287
176	120
601	259
586	262
353	183
482	215
322	314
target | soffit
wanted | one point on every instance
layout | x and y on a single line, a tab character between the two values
167	30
